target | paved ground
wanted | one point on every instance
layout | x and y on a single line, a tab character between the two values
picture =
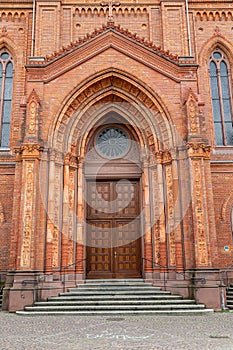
110	333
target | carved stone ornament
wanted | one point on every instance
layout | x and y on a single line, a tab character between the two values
32	117
192	113
192	117
28	215
31	150
217	30
198	150
71	159
202	250
53	232
4	31
32	112
163	157
57	213
170	214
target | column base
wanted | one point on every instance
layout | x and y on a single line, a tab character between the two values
202	285
25	287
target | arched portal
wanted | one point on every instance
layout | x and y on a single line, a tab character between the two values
113	200
118	203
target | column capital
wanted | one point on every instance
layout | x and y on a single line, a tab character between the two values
198	150
163	157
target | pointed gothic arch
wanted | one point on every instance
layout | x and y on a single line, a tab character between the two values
119	89
216	41
221	94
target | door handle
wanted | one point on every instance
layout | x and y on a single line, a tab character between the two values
115	254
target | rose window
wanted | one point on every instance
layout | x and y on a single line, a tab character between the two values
112	142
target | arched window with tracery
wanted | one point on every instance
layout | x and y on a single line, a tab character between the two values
6	87
221	92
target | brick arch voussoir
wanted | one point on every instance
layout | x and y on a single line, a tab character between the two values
150	137
11	47
124	84
227	204
106	101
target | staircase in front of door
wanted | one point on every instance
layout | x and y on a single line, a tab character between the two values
116	297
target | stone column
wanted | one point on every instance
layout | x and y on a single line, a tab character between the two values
30	159
161	203
208	292
68	215
65	214
177	217
30	262
196	152
80	223
147	201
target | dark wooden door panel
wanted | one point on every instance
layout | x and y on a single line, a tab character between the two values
99	252
99	199
127	251
127	201
113	229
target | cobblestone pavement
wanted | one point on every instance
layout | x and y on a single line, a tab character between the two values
108	333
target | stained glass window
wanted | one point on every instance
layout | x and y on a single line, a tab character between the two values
6	87
220	82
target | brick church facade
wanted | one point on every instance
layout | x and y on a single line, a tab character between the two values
116	145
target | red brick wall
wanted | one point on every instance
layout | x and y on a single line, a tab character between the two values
222	178
6	200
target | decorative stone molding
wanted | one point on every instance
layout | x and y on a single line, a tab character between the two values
31	150
28	150
214	15
27	215
201	250
71	159
163	157
117	29
170	214
12	16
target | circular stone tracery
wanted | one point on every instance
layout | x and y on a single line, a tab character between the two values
112	142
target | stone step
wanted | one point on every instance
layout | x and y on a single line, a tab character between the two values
115	292
113	302
115	281
114	307
115	288
115	297
118	313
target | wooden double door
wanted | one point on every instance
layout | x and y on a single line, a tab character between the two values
113	229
